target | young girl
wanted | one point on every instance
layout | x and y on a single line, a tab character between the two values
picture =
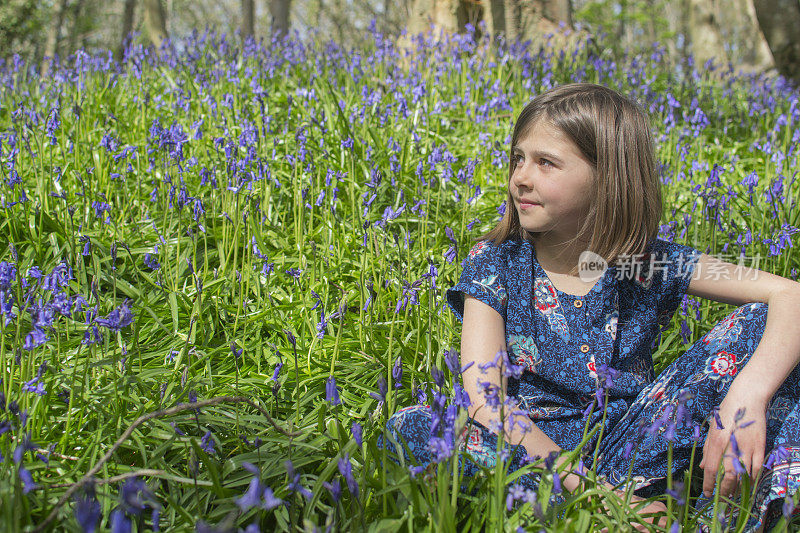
583	185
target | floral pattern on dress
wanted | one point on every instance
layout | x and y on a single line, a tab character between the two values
547	303
724	332
472	438
524	351
492	284
592	368
721	365
611	324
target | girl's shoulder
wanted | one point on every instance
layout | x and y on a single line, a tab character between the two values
501	254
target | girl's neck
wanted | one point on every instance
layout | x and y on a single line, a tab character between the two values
558	255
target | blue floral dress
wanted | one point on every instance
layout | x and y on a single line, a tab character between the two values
563	341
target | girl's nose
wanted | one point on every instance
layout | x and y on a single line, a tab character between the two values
523	176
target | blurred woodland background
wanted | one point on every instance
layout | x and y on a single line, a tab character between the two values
761	36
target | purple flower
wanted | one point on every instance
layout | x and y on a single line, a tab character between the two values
334	488
8	274
135	495
357	433
277	371
119	522
207	443
35	386
237	352
35	338
438	376
27	480
332	392
270	500
397	373
87	511
346	470
788	508
382	390
118	318
296	486
453	361
252	497
151	262
450	255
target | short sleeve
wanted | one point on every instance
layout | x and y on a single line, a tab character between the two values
672	267
483	278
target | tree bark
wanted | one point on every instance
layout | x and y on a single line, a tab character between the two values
512	16
540	17
155	20
127	26
706	36
248	18
53	37
77	8
279	10
760	59
442	14
780	22
495	17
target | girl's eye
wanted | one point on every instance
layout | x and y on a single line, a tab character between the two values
545	162
516	159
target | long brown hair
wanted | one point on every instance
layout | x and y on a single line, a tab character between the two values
613	134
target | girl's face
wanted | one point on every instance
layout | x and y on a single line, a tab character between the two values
551	182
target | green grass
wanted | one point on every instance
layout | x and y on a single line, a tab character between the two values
212	289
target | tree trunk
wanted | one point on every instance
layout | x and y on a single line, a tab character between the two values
780	22
248	18
442	14
760	57
704	29
512	15
53	37
155	20
77	8
495	17
540	17
127	26
279	9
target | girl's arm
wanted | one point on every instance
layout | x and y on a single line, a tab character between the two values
771	362
482	336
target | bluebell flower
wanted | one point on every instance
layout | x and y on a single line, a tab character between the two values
382	390
35	338
357	432
346	470
87	511
334	488
135	495
151	262
397	372
332	392
207	443
118	318
119	522
27	480
270	500
35	386
251	497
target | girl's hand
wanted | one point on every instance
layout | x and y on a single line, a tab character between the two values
745	453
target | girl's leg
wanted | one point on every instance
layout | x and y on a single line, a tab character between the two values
412	425
676	408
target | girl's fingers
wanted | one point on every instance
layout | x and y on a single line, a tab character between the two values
710	467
